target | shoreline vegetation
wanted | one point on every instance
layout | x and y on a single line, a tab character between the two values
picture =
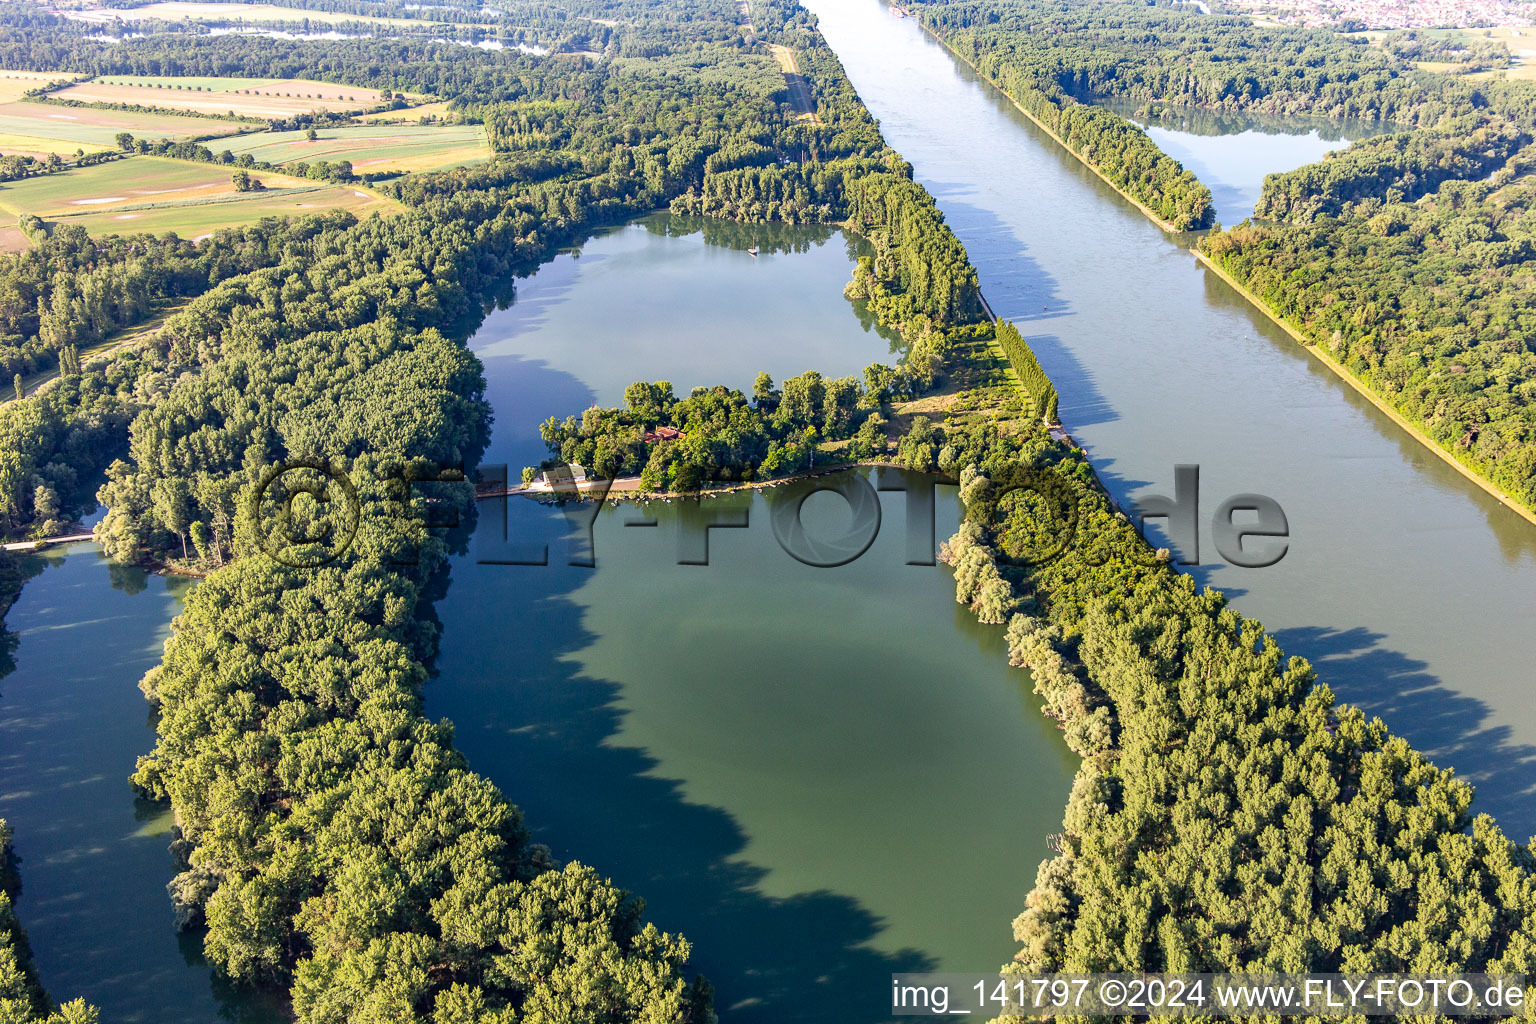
1227	815
1427	356
1141	165
1343	372
1407	255
22	997
1146	211
331	839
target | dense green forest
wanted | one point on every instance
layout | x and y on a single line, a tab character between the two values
1427	302
71	289
1171	53
1058	58
332	840
55	443
716	434
1401	168
1229	814
719	435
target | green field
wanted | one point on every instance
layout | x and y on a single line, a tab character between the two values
195	221
55	128
374	148
153	194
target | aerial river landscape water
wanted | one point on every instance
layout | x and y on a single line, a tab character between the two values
1407	586
823	775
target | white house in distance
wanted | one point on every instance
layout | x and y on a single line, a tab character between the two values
563	479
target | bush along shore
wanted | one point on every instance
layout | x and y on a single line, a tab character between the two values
1229	814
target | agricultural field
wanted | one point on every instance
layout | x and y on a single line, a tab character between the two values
15	84
409	115
374	148
191	199
38	129
244	97
176	10
1521	42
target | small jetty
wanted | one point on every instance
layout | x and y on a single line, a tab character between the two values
47	542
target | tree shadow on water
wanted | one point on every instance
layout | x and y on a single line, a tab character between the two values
1020	289
1452	729
533	722
1016	285
1083	404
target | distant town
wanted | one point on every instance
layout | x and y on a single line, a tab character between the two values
1388	14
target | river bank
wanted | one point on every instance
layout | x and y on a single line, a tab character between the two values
1316	351
1345	374
1109	306
1146	211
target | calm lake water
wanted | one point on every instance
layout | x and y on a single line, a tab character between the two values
820	776
93	860
678	298
1231	153
1409	588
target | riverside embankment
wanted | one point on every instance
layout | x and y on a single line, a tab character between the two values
1406	583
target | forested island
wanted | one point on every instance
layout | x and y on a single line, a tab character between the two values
1228	813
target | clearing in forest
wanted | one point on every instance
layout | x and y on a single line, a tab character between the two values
409	115
799	93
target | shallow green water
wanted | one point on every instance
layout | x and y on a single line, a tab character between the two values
818	775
